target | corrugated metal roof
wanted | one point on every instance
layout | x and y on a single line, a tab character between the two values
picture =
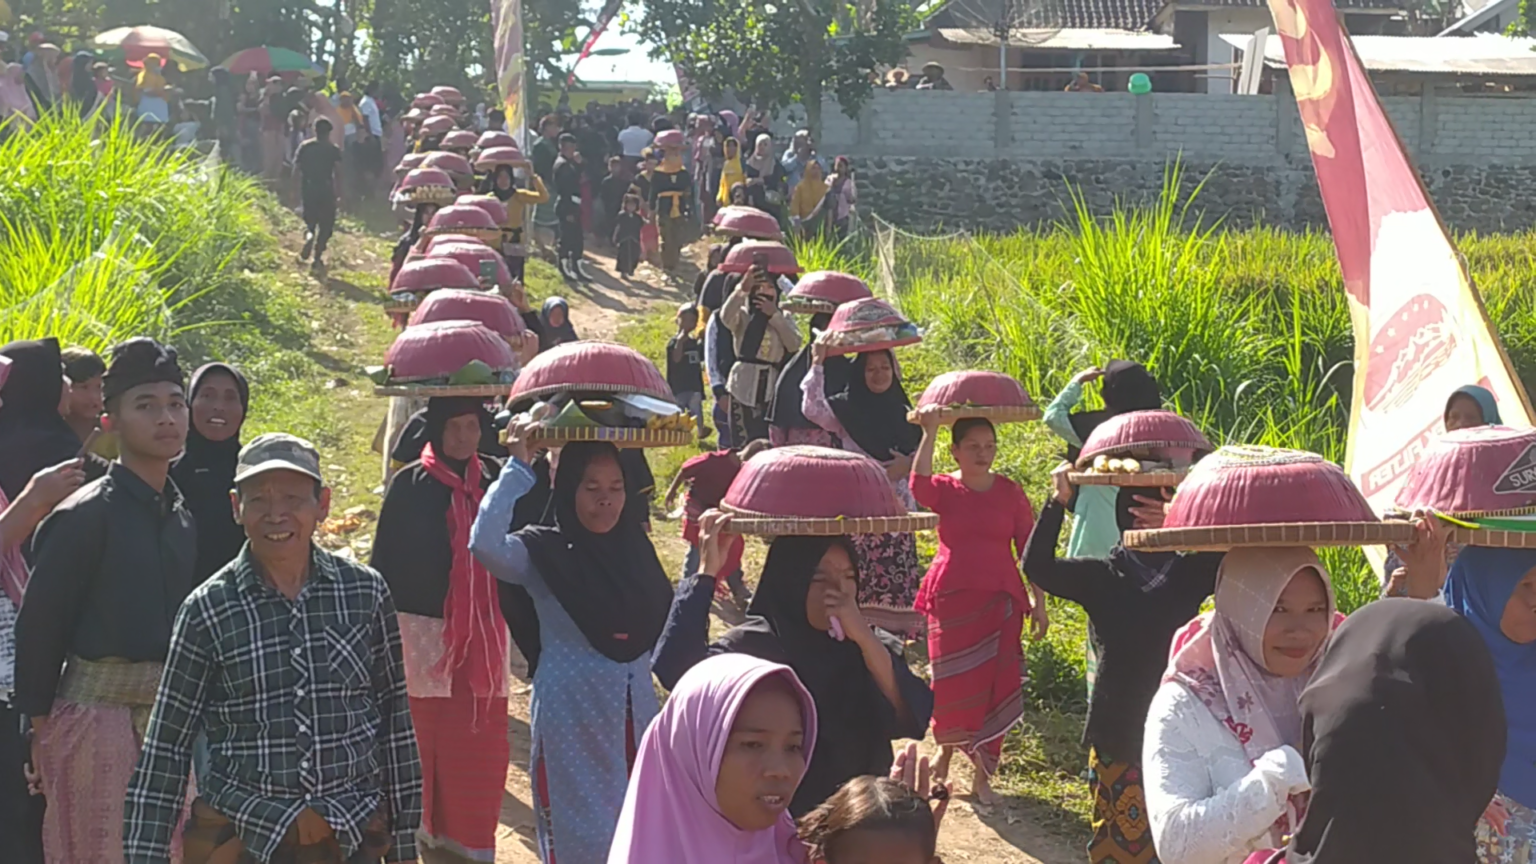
1075	14
1067	39
1479	54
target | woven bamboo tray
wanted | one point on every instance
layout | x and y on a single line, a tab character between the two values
401	307
807	306
1221	538
767	525
1146	479
1491	537
427	391
619	436
995	413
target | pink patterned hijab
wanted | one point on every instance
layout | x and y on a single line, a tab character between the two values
670	813
1219	657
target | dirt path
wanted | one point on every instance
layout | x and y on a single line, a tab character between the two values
346	306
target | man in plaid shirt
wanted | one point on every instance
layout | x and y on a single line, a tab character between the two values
289	660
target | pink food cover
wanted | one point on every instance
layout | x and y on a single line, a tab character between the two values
419	177
830	286
1135	431
747	222
443	110
438	241
457	216
495	138
982	389
410	162
448	94
1247	485
437	124
669	138
440	348
460	138
433	274
489	203
485	307
426	100
453	163
802	481
470	255
866	314
594	366
1486	468
775	256
490	157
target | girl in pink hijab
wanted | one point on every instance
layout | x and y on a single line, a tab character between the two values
13	94
717	769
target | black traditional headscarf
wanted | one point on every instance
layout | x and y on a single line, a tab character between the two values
33	435
612	585
1126	386
205	474
137	362
785	412
550	335
82	83
489	186
853	716
1403	733
427	425
877	422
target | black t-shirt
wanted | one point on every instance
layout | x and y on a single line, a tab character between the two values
317	160
627	226
685	375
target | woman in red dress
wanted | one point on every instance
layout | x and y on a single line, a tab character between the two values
974	596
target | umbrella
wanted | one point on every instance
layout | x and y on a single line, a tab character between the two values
265	60
135	43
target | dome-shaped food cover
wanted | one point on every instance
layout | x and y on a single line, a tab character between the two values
489	203
1154	432
460	139
425	101
1481	470
824	291
738	221
473	256
989	395
444	110
495	138
598	367
437	241
464	219
408	163
433	274
802	489
493	157
775	257
870	324
484	307
450	95
1264	496
437	124
452	163
669	138
438	349
426	186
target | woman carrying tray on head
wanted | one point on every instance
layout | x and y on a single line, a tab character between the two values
865	695
600	599
452	635
973	595
869	416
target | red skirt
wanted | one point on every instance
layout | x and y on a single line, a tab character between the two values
978	671
464	750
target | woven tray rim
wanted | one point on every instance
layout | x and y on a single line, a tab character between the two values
995	413
619	436
1087	458
807	305
732	232
547	389
428	391
1494	538
395	307
1220	538
840	351
1470	515
1147	479
768	525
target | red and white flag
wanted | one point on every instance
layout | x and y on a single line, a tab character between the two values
1420	327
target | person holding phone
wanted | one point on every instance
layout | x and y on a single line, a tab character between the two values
763	339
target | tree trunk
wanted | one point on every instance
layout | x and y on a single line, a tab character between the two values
812	71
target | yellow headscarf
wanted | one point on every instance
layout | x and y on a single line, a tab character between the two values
731	172
150	79
808	192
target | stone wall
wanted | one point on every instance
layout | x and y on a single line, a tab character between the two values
1000	160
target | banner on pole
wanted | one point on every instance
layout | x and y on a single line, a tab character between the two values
604	18
1419	324
507	30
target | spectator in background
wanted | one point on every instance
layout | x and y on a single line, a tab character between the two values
226	128
547	149
989	84
43	75
274	127
842	195
154	92
33	434
107	95
800	153
250	125
14	100
317	173
371	148
1081	84
634	139
611	194
84	369
933	78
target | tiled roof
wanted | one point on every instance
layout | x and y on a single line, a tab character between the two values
1092	14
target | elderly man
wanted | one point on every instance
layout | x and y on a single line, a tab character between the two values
289	660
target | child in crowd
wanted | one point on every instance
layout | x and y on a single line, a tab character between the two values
611	192
685	369
870	820
626	236
708	476
650	237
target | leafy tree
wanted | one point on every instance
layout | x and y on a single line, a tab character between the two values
775	55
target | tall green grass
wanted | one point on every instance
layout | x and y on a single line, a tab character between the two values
108	236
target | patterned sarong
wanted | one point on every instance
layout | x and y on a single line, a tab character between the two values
978	672
1121	832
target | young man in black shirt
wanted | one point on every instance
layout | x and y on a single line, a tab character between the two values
318	162
569	246
685	366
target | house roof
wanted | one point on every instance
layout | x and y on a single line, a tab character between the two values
1470	23
1484	54
1065	39
1051	14
1342	5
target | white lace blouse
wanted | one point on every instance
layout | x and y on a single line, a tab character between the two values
1206	802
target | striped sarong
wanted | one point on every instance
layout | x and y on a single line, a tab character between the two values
978	672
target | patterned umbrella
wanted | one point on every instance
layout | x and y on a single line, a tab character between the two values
133	44
264	60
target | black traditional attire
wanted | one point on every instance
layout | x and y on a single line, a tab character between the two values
570	241
855	722
786	421
205	474
33	435
549	334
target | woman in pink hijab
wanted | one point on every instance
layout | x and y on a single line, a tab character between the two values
13	94
717	768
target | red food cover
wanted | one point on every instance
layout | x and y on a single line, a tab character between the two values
420	178
801	481
1247	485
1137	431
448	94
669	138
461	216
440	348
443	110
437	241
746	254
747	222
426	100
437	124
433	274
981	389
409	162
484	307
490	157
830	286
1477	470
489	203
495	138
460	139
452	163
470	255
865	314
590	366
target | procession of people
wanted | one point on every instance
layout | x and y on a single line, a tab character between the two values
188	675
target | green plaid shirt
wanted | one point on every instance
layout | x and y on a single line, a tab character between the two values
304	705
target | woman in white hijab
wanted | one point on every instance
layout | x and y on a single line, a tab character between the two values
1223	777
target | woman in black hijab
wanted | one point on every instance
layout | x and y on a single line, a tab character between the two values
417	433
598	594
82	83
33	434
865	694
218	399
1403	733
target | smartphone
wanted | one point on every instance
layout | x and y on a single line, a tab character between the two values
488	270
